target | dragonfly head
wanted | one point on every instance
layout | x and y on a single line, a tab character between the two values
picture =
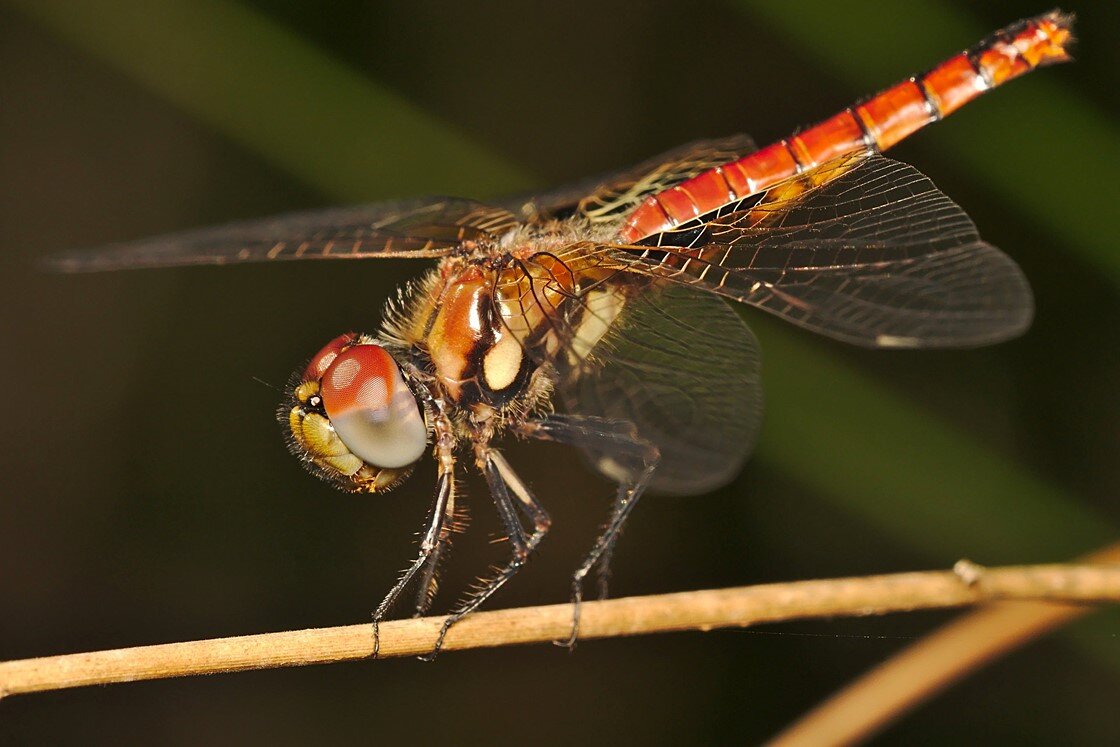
352	418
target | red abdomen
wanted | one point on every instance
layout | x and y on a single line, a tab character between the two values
877	123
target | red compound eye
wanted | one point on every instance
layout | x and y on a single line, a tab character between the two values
372	409
361	377
325	357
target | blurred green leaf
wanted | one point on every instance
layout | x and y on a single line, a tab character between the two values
1049	153
903	469
278	96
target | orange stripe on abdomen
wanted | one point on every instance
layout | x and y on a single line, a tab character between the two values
879	122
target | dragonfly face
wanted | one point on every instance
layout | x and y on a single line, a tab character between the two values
594	315
352	418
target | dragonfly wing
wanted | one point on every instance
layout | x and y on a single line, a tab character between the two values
863	249
683	368
611	197
430	227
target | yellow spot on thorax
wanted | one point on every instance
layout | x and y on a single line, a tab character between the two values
502	363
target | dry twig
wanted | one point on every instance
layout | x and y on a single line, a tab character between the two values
696	610
922	670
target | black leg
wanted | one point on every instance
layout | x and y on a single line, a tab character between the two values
501	479
428	586
632	458
603	570
503	502
533	510
430	548
440	524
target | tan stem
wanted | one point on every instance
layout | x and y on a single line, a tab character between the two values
924	669
696	610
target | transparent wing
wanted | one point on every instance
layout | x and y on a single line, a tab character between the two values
683	368
431	227
675	362
863	249
424	228
609	198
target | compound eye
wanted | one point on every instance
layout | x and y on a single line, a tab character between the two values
372	409
325	357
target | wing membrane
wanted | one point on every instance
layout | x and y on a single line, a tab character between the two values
424	228
684	369
674	361
431	227
864	249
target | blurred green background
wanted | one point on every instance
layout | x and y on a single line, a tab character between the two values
147	493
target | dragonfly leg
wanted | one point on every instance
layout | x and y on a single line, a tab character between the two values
428	585
502	481
432	542
533	510
633	458
430	547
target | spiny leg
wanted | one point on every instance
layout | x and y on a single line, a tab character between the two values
455	519
429	546
428	585
635	458
501	479
528	504
603	569
440	521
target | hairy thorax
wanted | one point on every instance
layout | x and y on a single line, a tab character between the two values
494	331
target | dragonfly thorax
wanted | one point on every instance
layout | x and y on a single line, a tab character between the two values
474	353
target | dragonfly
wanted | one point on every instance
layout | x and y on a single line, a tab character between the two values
594	315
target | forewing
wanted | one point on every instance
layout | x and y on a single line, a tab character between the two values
863	249
431	227
683	368
609	198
